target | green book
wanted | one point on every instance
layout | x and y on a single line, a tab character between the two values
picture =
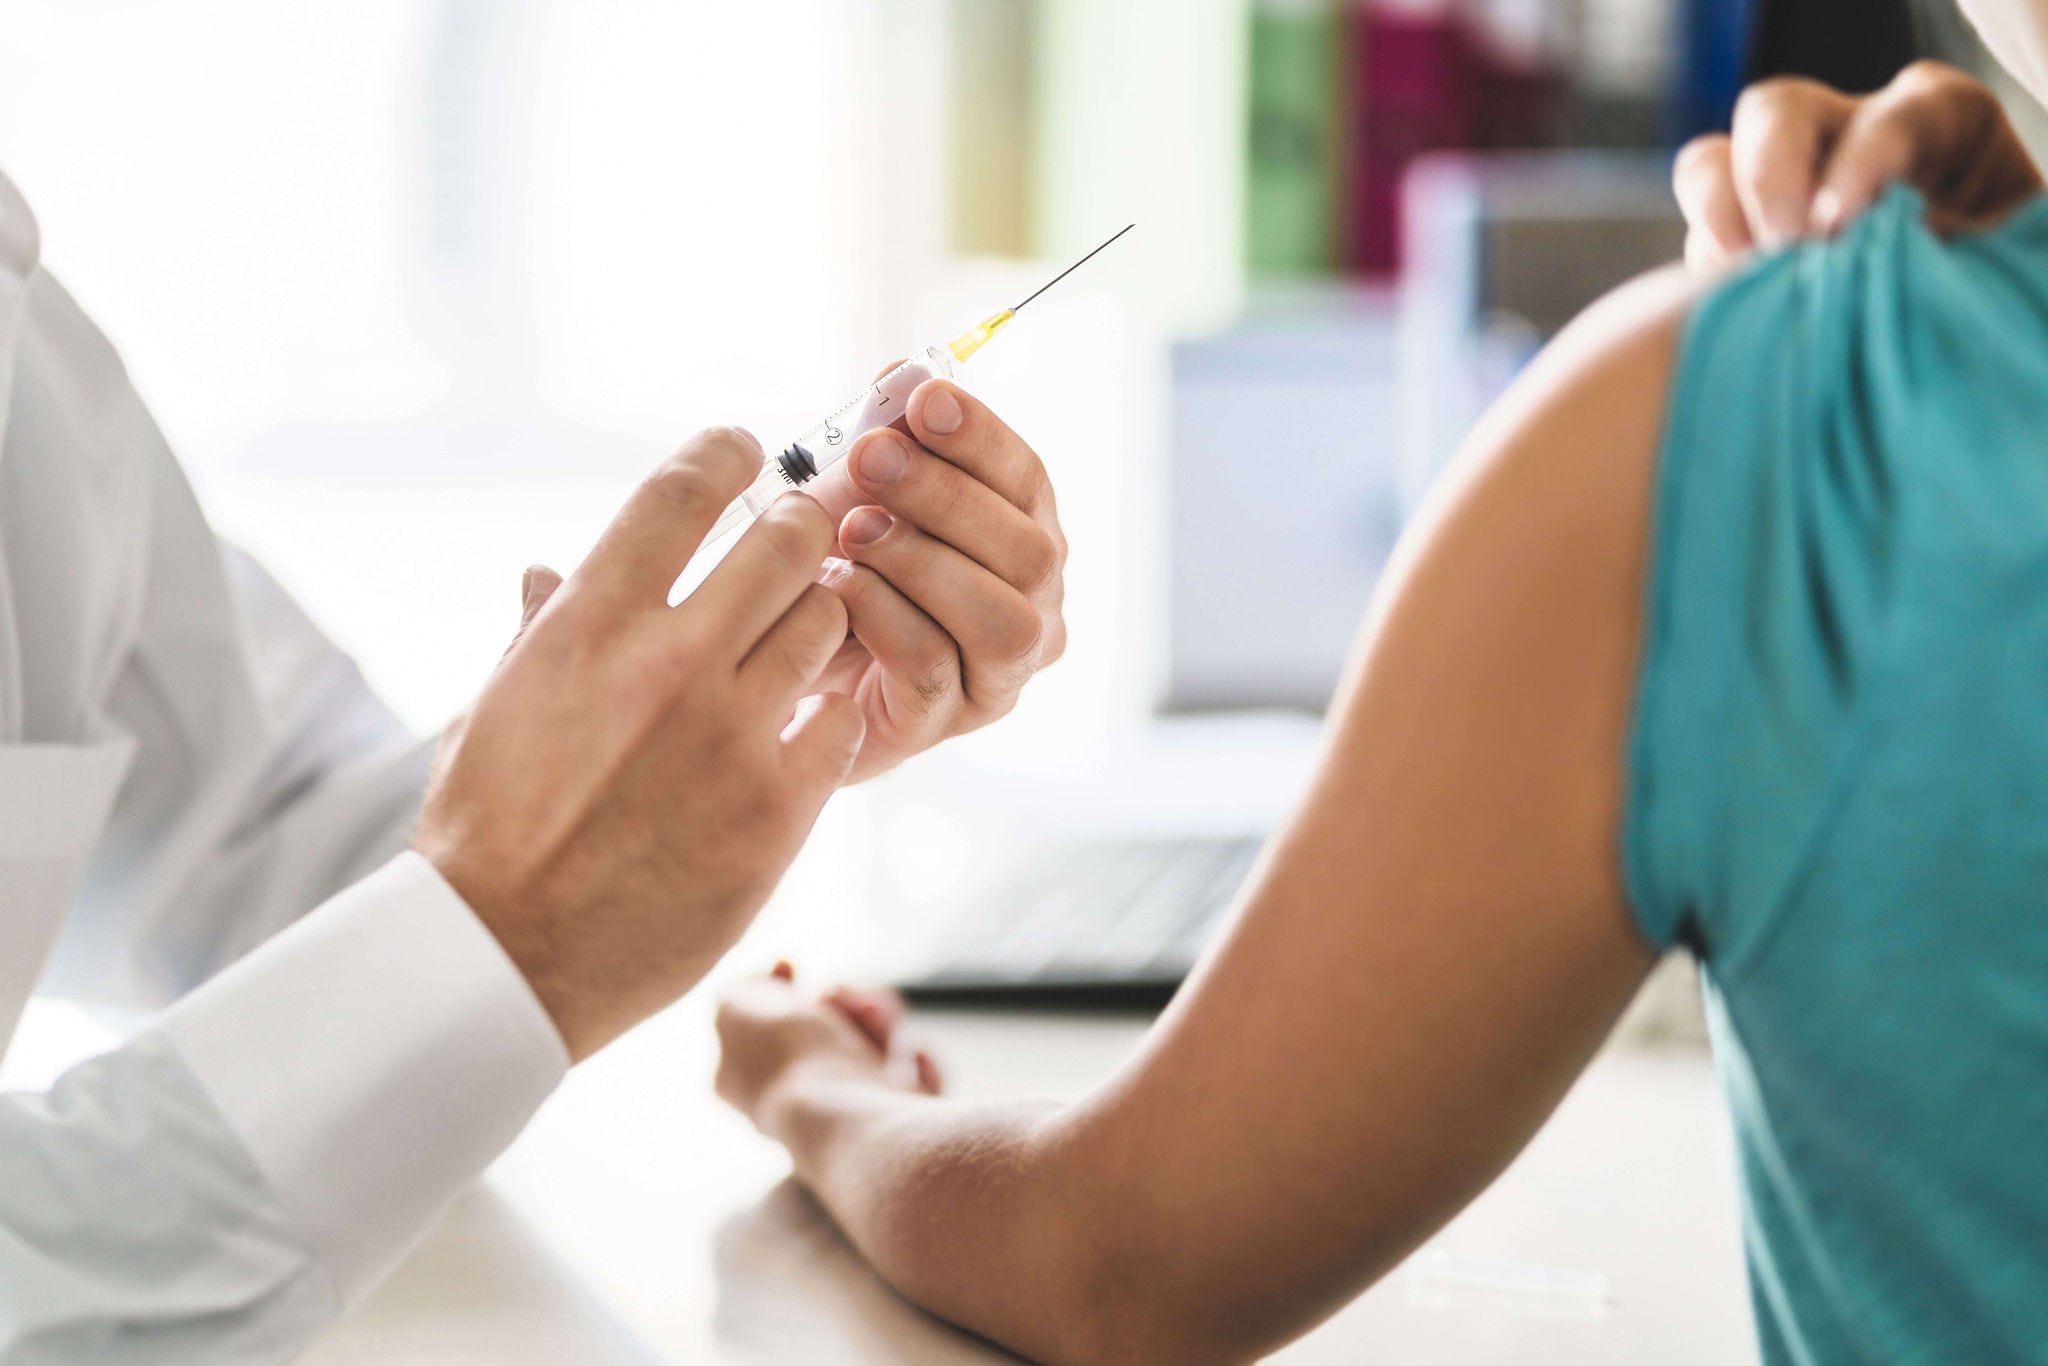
1294	130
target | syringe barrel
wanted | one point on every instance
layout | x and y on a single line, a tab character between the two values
880	404
827	443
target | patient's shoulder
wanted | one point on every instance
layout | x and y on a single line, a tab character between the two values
1849	496
1594	394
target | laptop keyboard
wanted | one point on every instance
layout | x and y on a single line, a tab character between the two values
1089	916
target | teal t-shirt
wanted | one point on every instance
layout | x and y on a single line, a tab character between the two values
1839	775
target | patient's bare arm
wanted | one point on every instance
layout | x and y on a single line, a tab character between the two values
1426	957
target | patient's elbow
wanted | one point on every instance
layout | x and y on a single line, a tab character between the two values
1125	1306
1121	1328
1112	1279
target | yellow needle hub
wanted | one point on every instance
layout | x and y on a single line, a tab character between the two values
974	338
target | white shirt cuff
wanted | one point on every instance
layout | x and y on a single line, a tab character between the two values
375	1057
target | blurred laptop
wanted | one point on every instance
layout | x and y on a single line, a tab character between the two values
1300	439
1267	581
1113	924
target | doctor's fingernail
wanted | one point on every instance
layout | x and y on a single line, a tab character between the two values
942	415
884	459
865	526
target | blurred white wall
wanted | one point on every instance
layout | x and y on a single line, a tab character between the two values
331	209
417	286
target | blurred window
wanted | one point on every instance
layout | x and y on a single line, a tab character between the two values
416	287
355	210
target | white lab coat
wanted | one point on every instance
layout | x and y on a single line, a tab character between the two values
192	776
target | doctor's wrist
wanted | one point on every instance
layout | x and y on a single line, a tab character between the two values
537	960
530	934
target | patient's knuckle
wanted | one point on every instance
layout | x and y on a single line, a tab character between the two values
1769	105
1698	159
1887	143
1929	77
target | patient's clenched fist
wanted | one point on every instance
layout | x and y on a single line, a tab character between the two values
769	1030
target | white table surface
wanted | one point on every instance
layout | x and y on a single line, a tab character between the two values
638	1221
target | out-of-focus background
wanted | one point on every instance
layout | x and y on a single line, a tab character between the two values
419	287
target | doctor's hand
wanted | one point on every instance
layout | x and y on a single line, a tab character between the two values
1803	160
951	576
632	782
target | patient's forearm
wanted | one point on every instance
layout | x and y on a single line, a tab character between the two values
1428	954
962	1207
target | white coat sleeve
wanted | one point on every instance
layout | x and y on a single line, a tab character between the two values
266	774
226	1184
219	1188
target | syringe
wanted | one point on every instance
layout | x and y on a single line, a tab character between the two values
878	405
